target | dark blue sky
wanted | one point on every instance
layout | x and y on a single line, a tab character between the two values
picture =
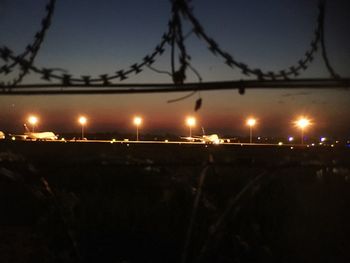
96	37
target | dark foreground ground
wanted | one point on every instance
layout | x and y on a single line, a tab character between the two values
100	202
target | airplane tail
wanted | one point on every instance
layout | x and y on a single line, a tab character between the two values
203	131
26	128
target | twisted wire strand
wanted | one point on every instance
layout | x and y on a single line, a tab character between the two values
48	74
176	42
329	67
31	49
214	48
24	67
179	76
66	79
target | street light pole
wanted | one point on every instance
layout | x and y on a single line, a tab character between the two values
251	122
302	123
33	120
137	122
82	131
137	133
191	121
302	135
251	134
82	120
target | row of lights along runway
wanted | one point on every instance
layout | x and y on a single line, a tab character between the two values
302	123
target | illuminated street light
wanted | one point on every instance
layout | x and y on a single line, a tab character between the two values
191	121
82	120
302	123
251	123
137	122
33	120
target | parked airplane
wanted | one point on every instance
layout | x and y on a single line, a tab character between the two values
35	136
211	138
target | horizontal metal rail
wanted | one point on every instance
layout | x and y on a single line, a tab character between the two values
125	88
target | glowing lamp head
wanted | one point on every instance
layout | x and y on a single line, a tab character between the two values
82	120
191	121
137	121
303	123
251	122
33	120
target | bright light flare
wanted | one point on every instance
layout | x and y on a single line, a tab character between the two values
137	121
191	121
251	122
303	122
82	120
33	120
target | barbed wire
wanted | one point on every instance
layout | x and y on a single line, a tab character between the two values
31	49
177	39
35	49
174	37
214	48
174	34
66	79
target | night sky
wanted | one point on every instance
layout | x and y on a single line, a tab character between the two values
97	37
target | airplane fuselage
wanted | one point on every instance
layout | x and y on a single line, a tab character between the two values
212	138
40	136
